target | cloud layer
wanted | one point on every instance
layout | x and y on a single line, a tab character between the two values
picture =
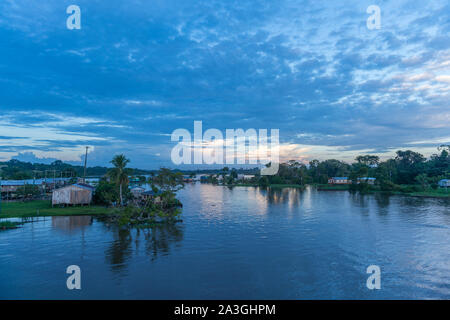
138	70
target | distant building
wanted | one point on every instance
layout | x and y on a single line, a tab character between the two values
137	191
444	183
151	195
339	180
49	183
248	176
73	195
367	180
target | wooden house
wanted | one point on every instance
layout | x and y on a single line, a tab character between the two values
75	194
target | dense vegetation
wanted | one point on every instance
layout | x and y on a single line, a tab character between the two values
18	170
408	172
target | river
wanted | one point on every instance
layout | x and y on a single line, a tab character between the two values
241	243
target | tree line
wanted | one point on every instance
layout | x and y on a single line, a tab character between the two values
406	168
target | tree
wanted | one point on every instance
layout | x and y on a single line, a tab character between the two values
105	193
168	180
119	174
422	179
409	164
368	160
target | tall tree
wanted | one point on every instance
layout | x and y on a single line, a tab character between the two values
120	173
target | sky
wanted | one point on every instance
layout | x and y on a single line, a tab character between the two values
138	70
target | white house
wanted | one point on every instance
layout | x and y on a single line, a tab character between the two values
444	183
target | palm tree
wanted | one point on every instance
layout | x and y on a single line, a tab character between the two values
119	173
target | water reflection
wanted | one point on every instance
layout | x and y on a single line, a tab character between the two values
290	196
154	242
71	224
119	251
158	240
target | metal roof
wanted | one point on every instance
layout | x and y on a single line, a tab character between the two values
84	186
31	181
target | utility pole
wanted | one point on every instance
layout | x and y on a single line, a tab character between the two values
85	163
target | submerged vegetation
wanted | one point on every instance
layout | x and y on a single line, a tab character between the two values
5	225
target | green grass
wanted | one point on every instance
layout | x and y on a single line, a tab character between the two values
42	208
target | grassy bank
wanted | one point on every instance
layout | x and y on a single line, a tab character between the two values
42	208
405	190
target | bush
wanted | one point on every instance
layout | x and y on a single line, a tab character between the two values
386	185
106	193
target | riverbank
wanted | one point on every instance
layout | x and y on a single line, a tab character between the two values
429	193
42	208
274	186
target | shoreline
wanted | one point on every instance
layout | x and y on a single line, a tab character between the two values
43	208
418	194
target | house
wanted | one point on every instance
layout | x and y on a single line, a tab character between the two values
367	180
137	191
74	194
339	180
248	176
13	185
444	183
151	195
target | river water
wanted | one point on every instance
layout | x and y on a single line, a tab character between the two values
241	243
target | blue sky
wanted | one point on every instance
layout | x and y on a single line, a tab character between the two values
138	70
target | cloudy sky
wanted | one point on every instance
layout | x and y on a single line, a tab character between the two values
138	70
